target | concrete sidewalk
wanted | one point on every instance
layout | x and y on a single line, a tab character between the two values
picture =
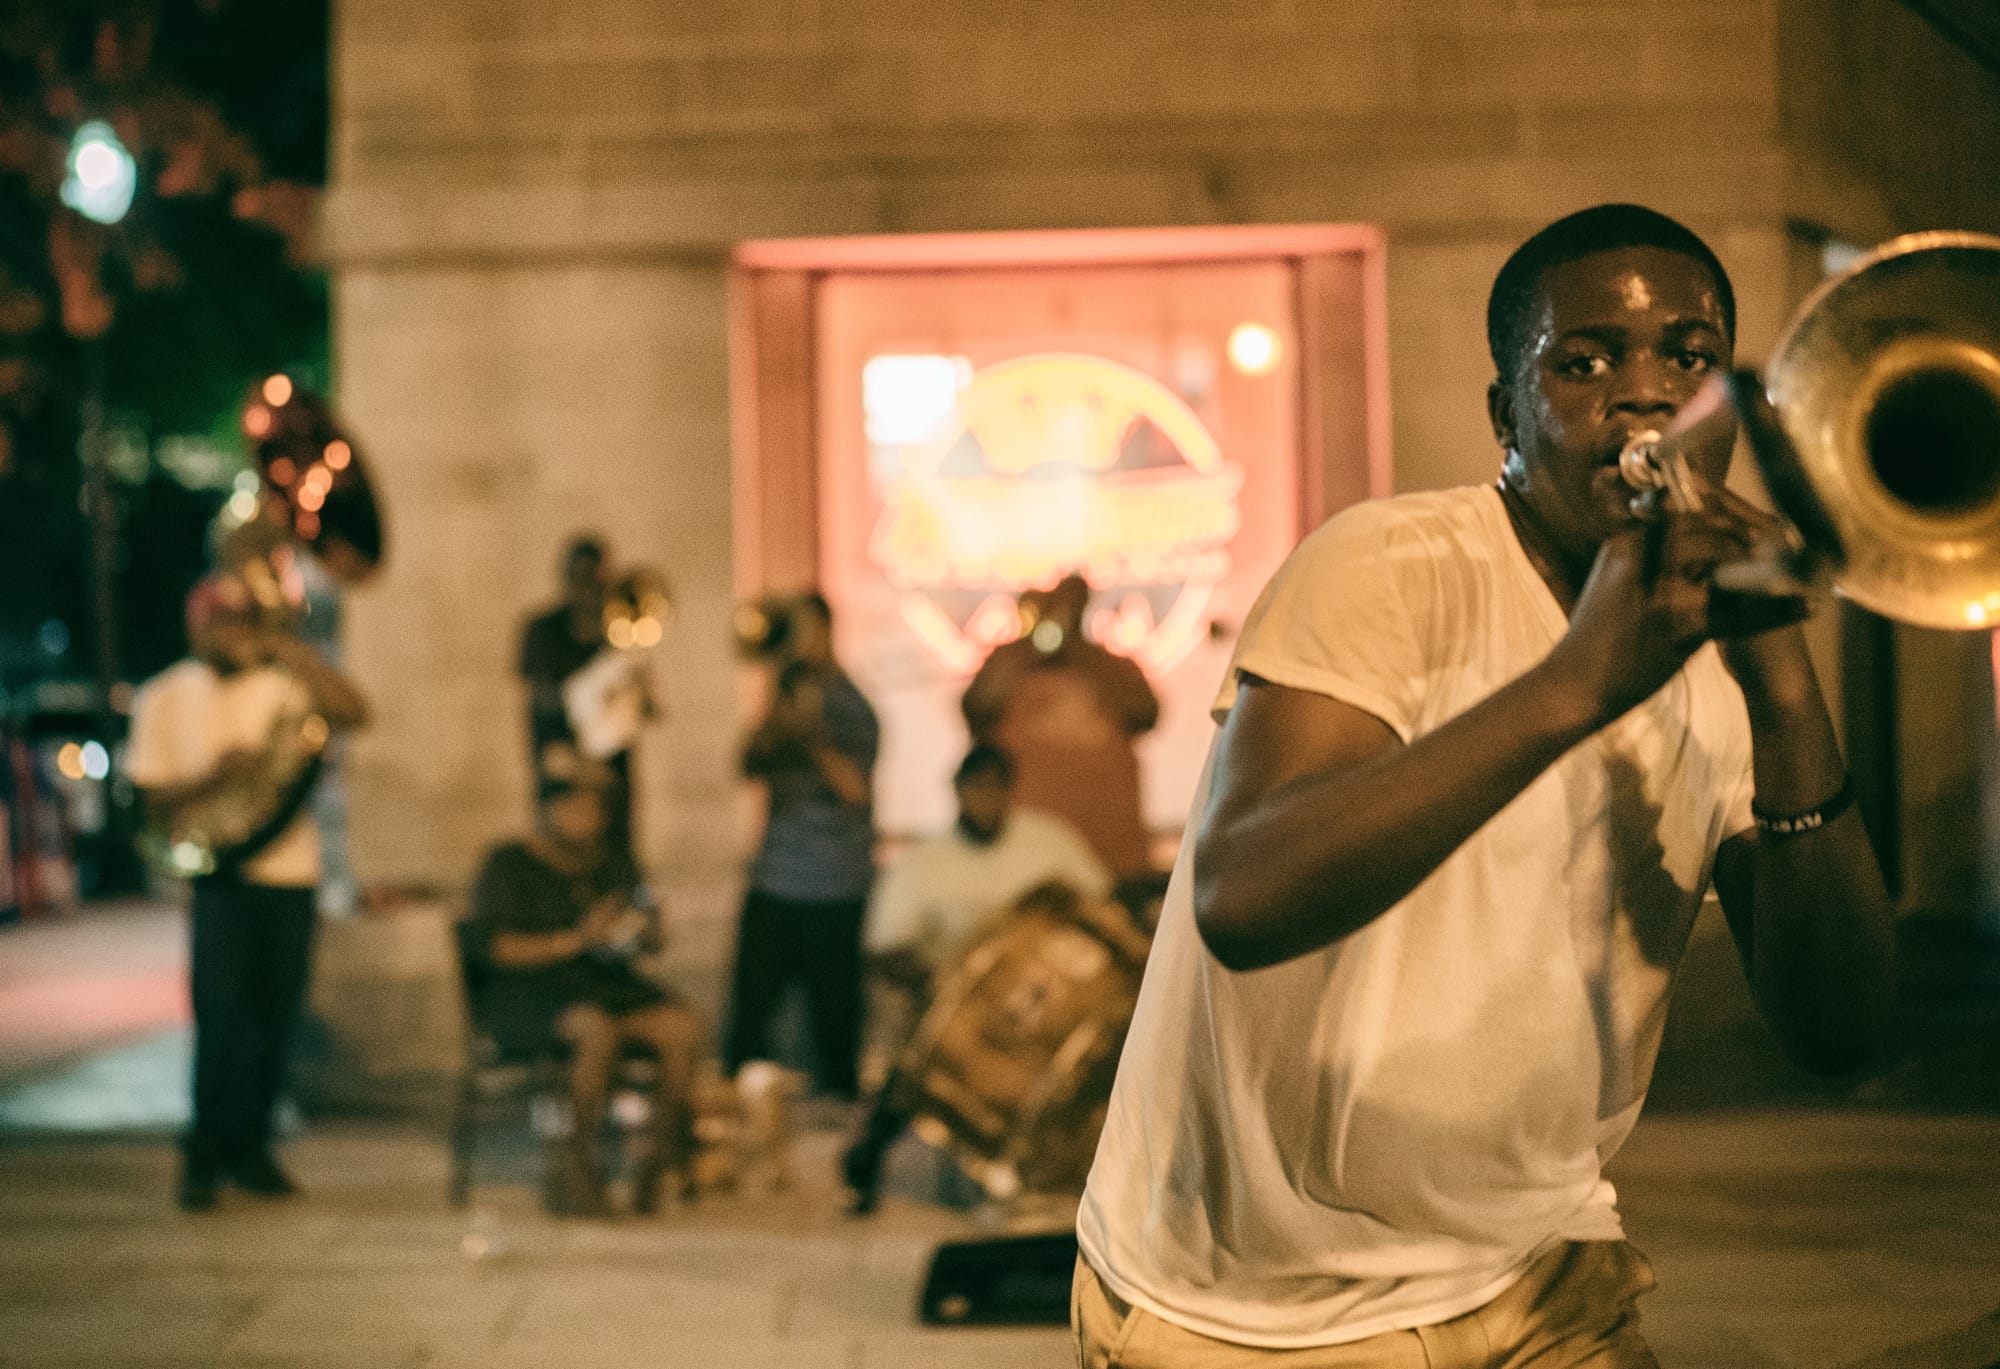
371	1268
1793	1226
1801	1240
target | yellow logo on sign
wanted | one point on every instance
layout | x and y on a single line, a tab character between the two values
1054	463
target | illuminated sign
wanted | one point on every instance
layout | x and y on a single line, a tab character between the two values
1036	467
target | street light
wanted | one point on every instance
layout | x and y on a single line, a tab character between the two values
101	182
102	176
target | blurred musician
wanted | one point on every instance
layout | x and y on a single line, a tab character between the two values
563	919
200	729
815	753
556	645
941	891
1067	712
933	898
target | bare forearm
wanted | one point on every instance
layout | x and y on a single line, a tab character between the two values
1821	952
162	799
848	780
1321	857
332	693
533	950
1820	948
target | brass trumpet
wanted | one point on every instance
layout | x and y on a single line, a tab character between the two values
610	699
1877	431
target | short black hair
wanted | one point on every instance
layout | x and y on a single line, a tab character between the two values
985	759
1510	309
583	547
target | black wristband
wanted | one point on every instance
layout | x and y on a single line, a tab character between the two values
1812	819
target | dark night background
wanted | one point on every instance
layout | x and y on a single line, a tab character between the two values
209	283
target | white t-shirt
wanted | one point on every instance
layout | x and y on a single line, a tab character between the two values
186	718
944	887
1383	1133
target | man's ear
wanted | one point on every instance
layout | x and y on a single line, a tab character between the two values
1500	412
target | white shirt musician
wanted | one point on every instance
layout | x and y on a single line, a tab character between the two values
1482	753
202	731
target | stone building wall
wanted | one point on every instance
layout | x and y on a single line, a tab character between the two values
533	201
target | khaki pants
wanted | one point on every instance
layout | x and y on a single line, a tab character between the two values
1572	1309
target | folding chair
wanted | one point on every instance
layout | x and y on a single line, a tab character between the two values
496	1085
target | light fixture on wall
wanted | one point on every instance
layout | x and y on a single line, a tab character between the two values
1254	349
102	176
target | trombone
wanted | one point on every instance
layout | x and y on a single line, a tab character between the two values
1876	428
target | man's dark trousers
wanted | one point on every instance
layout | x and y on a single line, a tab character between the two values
817	945
251	948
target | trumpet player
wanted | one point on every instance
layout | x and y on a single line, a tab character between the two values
214	729
814	751
557	645
1482	753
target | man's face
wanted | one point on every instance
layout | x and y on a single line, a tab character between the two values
1620	341
983	801
583	581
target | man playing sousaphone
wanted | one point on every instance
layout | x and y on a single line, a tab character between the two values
206	727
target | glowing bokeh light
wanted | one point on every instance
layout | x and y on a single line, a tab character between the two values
102	177
278	391
282	471
69	760
909	399
1254	349
338	454
96	760
257	421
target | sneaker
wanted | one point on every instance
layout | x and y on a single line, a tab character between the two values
198	1185
259	1174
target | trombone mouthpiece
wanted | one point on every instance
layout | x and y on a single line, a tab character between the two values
1639	464
1648	463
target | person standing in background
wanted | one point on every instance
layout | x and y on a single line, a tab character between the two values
815	753
1067	712
201	726
555	645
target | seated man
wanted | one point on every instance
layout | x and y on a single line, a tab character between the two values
558	921
931	902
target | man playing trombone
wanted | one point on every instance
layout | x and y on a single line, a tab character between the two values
1482	753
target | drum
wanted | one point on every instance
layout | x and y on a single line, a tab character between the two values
1011	1066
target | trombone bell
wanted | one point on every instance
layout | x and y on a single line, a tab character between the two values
1887	389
